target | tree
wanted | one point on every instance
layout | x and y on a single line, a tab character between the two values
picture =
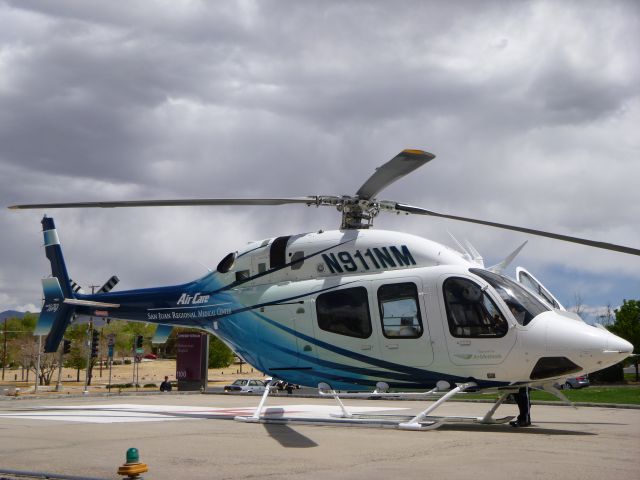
77	358
220	356
627	326
132	329
578	305
125	334
16	331
48	361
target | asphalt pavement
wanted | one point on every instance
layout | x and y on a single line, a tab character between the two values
194	436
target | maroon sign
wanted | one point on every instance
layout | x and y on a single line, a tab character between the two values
189	364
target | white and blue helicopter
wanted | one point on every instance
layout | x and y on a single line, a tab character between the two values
358	309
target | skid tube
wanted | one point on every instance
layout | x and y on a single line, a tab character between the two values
422	421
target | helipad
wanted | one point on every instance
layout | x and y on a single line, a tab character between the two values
186	436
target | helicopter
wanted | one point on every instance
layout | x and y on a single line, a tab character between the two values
360	310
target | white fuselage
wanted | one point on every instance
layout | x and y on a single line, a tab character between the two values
304	283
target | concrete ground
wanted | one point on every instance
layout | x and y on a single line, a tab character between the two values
192	436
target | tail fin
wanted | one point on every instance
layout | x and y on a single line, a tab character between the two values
55	315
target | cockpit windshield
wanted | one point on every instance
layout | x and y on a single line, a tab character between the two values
523	305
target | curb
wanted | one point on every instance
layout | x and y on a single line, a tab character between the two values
294	395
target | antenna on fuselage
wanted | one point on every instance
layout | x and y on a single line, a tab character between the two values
499	267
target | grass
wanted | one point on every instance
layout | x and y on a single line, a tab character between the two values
593	394
596	394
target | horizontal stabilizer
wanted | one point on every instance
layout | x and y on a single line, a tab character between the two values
90	303
162	333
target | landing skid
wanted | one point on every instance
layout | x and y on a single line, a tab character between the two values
422	421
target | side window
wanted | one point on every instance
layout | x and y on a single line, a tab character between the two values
345	312
470	311
400	310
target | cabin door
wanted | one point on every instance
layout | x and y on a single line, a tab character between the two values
346	339
398	310
476	331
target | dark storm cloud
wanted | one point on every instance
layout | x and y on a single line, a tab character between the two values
531	108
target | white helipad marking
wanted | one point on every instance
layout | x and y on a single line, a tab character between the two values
124	412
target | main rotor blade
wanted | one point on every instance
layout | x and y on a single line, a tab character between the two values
531	231
399	166
171	203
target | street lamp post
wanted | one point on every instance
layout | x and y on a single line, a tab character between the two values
4	352
38	364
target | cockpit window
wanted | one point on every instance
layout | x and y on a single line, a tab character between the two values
523	305
470	311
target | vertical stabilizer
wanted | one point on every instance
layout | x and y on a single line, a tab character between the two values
54	254
55	315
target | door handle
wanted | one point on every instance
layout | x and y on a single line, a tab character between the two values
366	347
464	342
391	346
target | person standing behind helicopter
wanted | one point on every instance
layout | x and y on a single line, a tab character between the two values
166	385
524	405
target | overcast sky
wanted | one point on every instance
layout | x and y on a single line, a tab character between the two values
531	108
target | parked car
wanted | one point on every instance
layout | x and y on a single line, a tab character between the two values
575	382
245	385
150	356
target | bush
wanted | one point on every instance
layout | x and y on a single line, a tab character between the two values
150	385
127	362
220	356
612	374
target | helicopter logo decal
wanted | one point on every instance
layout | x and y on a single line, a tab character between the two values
195	299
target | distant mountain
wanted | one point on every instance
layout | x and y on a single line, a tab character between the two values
11	314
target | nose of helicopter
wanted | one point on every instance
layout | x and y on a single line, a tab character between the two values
591	347
619	345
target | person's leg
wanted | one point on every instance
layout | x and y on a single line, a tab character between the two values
524	406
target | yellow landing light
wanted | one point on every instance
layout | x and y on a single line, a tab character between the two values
414	152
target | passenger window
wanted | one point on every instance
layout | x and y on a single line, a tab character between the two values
400	310
297	260
242	275
345	312
471	312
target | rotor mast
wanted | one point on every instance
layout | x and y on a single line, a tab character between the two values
359	211
357	214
